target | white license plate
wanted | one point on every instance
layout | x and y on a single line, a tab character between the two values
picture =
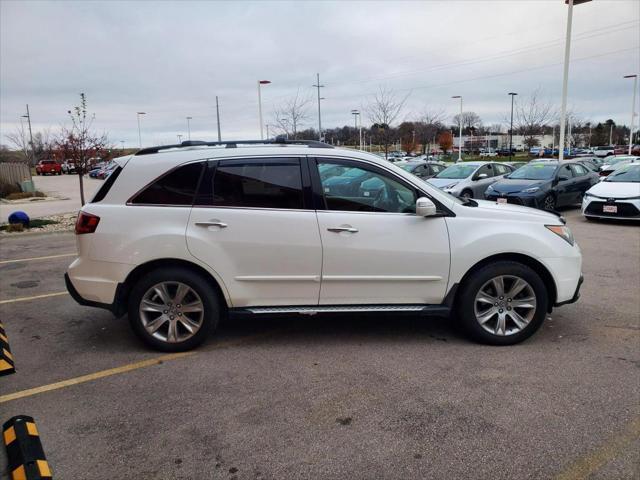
501	200
610	208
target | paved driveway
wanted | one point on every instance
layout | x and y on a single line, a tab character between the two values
66	186
330	397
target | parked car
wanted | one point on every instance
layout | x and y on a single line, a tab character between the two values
106	171
614	162
469	179
95	169
544	185
617	196
588	163
489	153
179	237
48	167
68	167
603	151
422	169
505	152
516	165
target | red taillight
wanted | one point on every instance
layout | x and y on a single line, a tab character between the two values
86	223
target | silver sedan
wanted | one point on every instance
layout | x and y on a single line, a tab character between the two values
470	179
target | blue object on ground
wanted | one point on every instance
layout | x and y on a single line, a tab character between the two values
19	217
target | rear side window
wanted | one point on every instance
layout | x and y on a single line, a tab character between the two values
579	170
276	183
178	187
106	186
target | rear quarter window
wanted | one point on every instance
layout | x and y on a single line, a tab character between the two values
178	187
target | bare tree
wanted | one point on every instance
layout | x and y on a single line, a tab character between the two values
79	143
469	120
290	116
532	115
428	126
382	111
19	138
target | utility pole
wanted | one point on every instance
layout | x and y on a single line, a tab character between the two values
139	132
28	117
318	86
189	127
218	119
610	134
355	114
633	110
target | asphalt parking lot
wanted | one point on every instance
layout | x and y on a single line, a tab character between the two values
322	397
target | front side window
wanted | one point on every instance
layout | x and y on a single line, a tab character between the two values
501	169
486	169
565	171
178	187
273	183
360	189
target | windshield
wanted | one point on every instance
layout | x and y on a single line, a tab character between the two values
535	171
626	173
457	171
409	167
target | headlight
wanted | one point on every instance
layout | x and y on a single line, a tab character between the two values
562	231
587	194
531	190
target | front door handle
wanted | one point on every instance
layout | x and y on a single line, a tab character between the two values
343	229
212	223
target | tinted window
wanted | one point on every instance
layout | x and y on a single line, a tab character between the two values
275	183
486	169
363	190
437	168
178	187
565	171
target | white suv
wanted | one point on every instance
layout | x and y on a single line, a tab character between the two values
181	235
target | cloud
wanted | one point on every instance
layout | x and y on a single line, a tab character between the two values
171	59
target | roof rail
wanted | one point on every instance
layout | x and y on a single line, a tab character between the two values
234	144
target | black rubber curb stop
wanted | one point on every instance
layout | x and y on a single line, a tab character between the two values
24	450
6	359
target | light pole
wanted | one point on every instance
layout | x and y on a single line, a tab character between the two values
513	94
268	137
633	109
261	82
565	75
189	127
460	122
355	114
218	119
140	134
122	143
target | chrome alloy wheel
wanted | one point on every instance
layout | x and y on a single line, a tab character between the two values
171	312
505	305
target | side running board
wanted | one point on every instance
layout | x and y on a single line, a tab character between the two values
313	310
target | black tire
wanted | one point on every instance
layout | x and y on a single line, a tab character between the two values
465	301
549	202
466	194
590	219
195	281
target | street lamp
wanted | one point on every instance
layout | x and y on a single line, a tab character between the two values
139	134
513	94
356	114
633	109
565	75
460	122
261	82
189	127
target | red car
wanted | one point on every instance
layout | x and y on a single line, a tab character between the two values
48	167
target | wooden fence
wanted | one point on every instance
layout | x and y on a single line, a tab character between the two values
14	173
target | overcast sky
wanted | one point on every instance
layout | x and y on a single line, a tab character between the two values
170	59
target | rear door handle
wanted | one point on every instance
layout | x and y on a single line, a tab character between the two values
343	229
212	223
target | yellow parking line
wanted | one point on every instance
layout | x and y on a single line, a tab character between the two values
588	464
118	370
38	258
34	297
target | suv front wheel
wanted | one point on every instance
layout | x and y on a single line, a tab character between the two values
173	309
503	303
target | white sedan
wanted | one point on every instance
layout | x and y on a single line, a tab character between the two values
617	196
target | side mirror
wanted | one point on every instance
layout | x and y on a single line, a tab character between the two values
425	207
563	178
481	176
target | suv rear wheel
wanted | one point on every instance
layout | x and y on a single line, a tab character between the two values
173	309
503	303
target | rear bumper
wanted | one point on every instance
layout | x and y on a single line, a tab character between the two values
117	307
